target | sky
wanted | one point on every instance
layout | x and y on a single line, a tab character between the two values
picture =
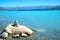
13	3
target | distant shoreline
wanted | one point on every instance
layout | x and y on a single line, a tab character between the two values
31	8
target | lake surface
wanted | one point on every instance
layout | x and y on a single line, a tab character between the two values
48	20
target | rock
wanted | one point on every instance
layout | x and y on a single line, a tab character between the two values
24	35
18	28
4	34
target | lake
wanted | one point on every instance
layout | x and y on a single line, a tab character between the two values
48	20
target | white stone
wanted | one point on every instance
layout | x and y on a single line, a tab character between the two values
24	35
4	34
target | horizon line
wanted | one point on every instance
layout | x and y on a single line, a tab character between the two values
29	6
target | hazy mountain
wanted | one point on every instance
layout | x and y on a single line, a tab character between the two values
32	8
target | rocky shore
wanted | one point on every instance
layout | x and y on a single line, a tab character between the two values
37	36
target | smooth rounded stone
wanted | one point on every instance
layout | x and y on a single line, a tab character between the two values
4	34
24	35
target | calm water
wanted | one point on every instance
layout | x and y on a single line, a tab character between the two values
49	20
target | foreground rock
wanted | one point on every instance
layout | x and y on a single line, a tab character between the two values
4	34
16	29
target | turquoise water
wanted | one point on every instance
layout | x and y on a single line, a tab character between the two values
49	20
